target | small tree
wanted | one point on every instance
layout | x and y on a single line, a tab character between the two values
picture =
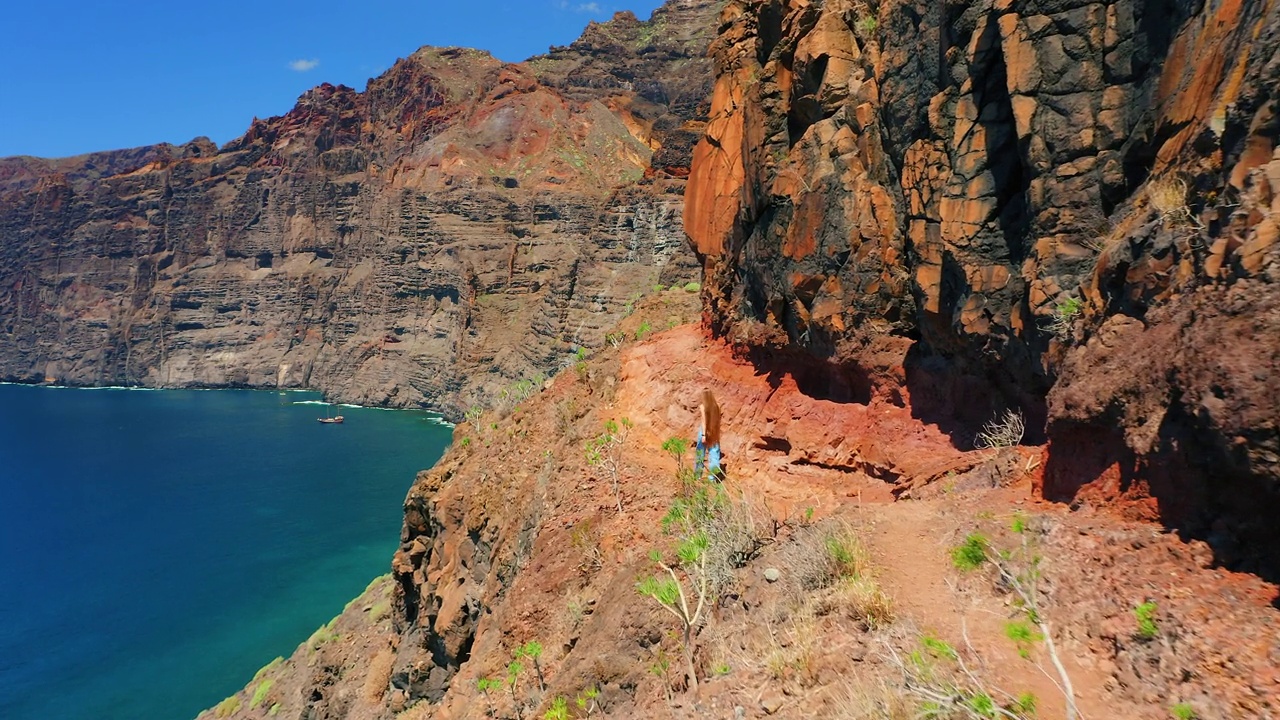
677	448
514	668
587	700
605	450
686	589
485	685
1019	571
660	667
532	650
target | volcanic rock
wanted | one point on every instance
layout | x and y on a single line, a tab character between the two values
1062	209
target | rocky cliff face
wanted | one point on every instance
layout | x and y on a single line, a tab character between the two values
459	225
911	219
1062	208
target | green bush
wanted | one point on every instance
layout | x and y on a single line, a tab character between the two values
1146	615
846	554
971	554
1064	317
1022	635
559	710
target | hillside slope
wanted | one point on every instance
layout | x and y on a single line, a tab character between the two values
458	226
515	537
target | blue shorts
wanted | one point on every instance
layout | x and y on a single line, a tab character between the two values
708	456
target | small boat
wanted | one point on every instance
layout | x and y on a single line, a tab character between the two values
330	419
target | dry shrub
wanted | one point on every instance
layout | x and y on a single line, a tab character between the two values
567	415
858	598
421	710
869	701
791	649
736	532
577	606
824	554
835	566
1002	432
379	677
1168	197
585	538
829	577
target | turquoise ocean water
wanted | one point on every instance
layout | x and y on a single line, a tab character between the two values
158	547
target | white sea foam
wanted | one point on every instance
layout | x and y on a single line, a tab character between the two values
433	418
82	387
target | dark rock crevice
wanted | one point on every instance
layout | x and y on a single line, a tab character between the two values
1007	164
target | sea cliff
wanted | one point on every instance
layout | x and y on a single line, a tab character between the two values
460	225
987	299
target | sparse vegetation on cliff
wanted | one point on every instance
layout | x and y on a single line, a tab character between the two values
1146	616
686	588
1018	570
1002	432
606	451
1062	321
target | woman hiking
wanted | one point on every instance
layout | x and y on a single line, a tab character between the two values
708	447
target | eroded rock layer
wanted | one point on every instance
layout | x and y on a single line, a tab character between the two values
459	225
1062	208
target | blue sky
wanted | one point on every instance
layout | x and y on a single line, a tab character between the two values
82	75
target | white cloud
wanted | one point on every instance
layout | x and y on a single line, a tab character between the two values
590	7
303	65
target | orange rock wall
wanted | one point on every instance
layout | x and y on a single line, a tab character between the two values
915	194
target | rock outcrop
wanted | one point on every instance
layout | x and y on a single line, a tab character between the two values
1066	209
460	225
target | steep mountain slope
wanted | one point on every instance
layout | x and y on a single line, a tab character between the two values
458	226
1064	209
515	537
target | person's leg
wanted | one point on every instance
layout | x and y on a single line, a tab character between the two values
699	456
713	462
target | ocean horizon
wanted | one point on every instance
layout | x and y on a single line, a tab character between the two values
159	547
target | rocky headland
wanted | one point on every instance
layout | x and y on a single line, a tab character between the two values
917	228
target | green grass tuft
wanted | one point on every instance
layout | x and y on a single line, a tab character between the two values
227	707
1146	615
268	668
260	692
971	554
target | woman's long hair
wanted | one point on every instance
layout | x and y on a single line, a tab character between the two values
710	419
